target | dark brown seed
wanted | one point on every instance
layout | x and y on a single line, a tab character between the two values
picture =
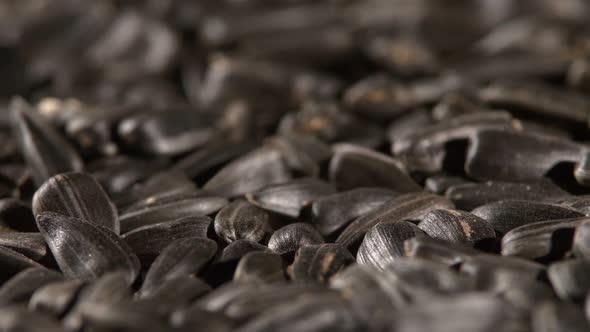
581	245
354	166
405	207
439	184
425	148
44	150
291	197
506	215
174	293
292	237
122	316
328	313
538	99
558	316
456	226
332	212
31	245
12	262
17	215
118	173
468	196
405	125
545	239
20	287
384	243
255	170
167	133
241	220
445	252
195	317
165	210
570	278
17	318
303	154
148	241
181	257
260	266
56	297
319	262
86	251
487	269
237	249
76	195
506	155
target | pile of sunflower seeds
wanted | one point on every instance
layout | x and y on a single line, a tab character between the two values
295	165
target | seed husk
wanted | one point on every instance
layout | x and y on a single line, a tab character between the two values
581	245
332	212
405	207
436	250
506	215
291	197
385	242
56	297
76	195
260	266
19	318
290	238
86	251
241	220
239	248
456	226
13	262
31	244
570	278
20	287
558	316
319	262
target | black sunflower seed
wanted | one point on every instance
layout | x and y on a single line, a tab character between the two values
20	287
506	215
354	166
570	278
260	266
18	318
56	297
31	244
436	250
86	251
405	207
291	237
581	245
174	293
487	269
456	226
291	197
195	317
551	238
239	248
304	154
439	184
169	209
319	262
181	257
147	242
242	220
468	196
44	150
13	262
76	195
385	242
558	316
118	173
255	170
332	212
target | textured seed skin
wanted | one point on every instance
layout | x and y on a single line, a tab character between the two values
31	244
20	287
77	195
260	266
408	206
239	248
291	237
509	214
456	226
85	251
319	262
241	220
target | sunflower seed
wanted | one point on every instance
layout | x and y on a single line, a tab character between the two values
181	257
86	251
292	237
76	195
541	239
260	266
31	245
556	316
255	170
13	262
148	241
456	226
17	215
118	173
487	269
319	262
194	317
237	249
44	150
435	250
441	183
581	245
242	220
56	297
385	242
332	212
17	318
291	197
302	153
20	287
354	166
570	278
405	207
174	293
506	215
